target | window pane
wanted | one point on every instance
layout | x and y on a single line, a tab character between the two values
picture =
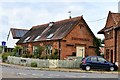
93	59
101	59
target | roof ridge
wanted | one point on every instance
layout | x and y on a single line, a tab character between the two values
69	19
19	28
78	17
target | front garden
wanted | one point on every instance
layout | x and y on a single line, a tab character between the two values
39	52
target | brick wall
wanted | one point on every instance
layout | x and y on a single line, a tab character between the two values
118	46
80	35
80	32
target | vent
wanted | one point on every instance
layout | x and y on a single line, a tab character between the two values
51	24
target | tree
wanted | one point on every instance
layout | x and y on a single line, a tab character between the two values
103	41
97	44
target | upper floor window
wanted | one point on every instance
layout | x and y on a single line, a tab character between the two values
109	34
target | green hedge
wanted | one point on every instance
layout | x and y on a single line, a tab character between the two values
5	55
33	64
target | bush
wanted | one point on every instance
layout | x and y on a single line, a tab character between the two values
5	55
33	64
16	51
55	55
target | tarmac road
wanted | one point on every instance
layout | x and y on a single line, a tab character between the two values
12	72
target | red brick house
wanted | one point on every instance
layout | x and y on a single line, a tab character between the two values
71	37
112	37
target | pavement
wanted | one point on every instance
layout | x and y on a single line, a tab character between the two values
59	69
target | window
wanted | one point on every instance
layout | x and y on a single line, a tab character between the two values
48	49
100	59
36	39
35	49
50	36
25	50
26	40
93	59
109	34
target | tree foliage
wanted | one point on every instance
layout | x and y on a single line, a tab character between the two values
97	43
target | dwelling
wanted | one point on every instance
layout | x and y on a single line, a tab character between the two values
111	32
14	35
71	37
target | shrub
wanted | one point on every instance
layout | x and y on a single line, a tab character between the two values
23	55
5	55
55	54
33	64
16	51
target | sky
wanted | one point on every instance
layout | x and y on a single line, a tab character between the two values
27	13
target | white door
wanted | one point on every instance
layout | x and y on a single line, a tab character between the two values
80	51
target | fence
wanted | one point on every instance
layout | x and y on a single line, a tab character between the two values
45	63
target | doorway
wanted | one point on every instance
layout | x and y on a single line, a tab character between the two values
80	51
111	56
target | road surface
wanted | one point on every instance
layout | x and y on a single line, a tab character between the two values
11	72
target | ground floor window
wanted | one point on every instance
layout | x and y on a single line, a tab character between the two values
37	51
48	49
25	50
42	51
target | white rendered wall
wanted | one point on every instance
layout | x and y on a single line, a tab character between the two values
11	42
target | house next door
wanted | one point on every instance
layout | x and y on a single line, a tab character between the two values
80	51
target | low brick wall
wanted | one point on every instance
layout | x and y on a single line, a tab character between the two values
45	63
